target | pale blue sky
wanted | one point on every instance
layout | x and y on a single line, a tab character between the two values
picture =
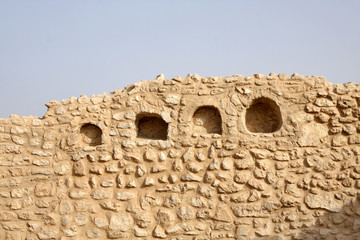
58	49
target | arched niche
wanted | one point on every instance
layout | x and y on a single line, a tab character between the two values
151	126
207	120
91	134
263	116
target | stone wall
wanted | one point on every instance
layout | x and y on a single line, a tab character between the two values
258	157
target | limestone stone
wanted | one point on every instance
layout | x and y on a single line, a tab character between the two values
80	219
227	164
312	135
79	169
324	201
281	156
112	168
144	220
121	222
100	222
339	141
221	214
43	190
46	235
150	156
185	213
194	167
125	196
165	218
242	176
260	153
148	181
159	232
93	234
172	99
77	194
118	116
65	208
323	102
7	216
100	194
138	232
356	226
256	184
188	155
191	178
242	231
106	183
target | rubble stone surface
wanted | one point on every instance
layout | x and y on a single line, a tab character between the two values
188	158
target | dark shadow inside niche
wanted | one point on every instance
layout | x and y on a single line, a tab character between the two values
151	126
91	134
207	120
263	116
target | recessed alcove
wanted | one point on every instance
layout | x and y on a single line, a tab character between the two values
263	116
207	120
91	134
151	126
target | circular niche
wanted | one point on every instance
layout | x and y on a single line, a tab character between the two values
263	116
91	134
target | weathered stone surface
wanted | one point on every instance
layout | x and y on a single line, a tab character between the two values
77	194
46	235
144	220
221	214
125	196
121	222
250	211
7	216
65	208
159	232
79	169
324	201
312	135
100	194
150	156
185	213
256	157
138	232
172	99
100	222
43	190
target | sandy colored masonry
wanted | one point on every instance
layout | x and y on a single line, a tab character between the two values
188	158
